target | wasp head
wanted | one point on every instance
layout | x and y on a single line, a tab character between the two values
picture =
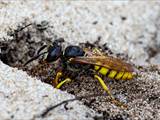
55	50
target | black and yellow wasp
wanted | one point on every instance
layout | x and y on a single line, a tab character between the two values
76	59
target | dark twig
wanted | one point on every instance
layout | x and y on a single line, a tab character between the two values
45	112
16	31
23	27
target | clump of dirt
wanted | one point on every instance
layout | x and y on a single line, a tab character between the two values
24	42
141	94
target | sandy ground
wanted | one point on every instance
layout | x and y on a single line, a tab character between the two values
128	27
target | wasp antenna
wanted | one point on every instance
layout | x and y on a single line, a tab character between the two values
34	58
44	46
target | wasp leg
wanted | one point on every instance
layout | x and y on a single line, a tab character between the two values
67	80
55	81
104	85
109	93
58	75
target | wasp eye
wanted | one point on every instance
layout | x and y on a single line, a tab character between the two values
73	51
54	52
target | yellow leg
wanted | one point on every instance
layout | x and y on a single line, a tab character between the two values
108	91
67	80
58	75
104	85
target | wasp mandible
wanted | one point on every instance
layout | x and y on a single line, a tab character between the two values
74	58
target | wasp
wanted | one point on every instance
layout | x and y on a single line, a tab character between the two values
75	59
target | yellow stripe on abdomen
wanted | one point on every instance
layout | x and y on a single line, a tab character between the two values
96	67
119	75
112	74
125	76
103	71
130	76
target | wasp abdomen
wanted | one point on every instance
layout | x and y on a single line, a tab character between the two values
113	73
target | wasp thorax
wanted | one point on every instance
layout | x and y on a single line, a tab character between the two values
73	51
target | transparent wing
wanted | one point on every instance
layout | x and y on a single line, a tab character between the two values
105	61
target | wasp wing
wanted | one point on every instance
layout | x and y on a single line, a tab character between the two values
105	61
